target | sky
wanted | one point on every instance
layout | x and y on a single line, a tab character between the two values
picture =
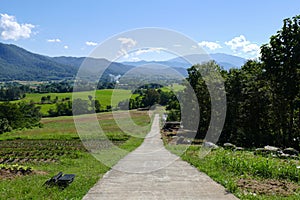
76	27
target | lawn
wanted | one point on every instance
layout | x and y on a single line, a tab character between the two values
55	147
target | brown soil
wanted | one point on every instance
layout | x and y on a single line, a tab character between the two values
8	174
268	187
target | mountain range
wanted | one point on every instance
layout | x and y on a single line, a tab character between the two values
19	64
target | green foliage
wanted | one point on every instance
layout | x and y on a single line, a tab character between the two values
4	125
263	97
13	91
282	66
18	116
200	77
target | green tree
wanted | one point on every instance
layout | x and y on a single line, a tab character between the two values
80	107
97	106
4	126
281	61
151	97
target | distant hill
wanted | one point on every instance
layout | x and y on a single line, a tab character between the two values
19	64
94	64
224	60
228	61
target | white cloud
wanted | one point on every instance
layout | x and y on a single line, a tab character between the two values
89	43
135	59
148	50
11	30
66	47
54	40
128	42
241	44
210	45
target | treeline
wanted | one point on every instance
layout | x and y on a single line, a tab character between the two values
263	97
148	96
13	91
18	116
77	107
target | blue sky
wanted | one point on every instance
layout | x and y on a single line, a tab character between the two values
75	27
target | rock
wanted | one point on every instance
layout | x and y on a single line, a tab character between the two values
187	141
294	157
180	140
229	146
283	155
271	148
210	145
239	149
260	151
173	141
291	151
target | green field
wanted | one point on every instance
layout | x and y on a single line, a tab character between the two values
56	147
104	96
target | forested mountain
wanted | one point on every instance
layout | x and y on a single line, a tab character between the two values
180	64
19	64
114	68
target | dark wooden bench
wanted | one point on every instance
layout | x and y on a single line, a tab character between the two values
61	180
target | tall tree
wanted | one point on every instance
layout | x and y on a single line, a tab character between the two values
281	59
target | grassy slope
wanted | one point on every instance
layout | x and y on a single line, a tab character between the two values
87	169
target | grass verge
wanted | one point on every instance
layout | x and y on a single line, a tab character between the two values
246	175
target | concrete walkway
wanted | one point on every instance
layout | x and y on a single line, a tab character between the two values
152	172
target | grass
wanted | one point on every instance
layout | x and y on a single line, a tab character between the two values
58	141
261	175
104	96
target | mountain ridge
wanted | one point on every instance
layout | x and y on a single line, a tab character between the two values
17	63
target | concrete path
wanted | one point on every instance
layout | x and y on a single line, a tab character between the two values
152	172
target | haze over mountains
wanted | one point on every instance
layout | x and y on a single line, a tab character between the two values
19	64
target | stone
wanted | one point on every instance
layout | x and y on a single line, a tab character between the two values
271	148
283	155
260	151
239	149
291	151
229	146
180	140
210	145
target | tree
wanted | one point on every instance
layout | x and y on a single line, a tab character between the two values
201	77
80	107
18	116
281	61
151	97
4	126
97	106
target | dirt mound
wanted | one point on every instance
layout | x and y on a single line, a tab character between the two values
8	174
268	187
